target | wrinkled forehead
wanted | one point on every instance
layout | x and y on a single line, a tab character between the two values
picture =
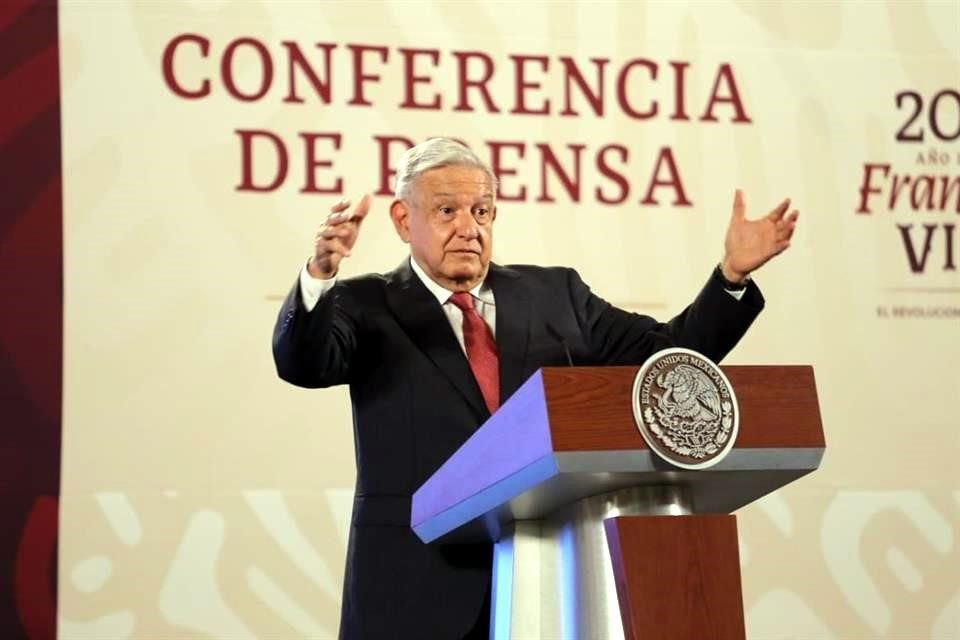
454	182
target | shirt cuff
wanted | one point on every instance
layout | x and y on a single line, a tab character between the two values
735	289
738	293
311	289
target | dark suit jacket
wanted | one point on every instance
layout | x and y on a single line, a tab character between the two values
415	402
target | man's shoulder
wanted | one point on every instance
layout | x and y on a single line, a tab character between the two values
374	286
367	280
365	287
537	273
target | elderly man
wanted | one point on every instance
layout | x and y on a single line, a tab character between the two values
433	347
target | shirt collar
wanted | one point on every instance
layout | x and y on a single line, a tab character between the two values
482	291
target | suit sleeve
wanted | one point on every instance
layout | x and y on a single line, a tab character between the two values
712	324
316	348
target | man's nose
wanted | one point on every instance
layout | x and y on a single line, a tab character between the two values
466	224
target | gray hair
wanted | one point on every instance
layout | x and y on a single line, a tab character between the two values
432	154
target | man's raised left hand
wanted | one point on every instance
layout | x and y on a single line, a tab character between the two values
749	244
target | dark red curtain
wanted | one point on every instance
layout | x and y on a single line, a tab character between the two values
31	321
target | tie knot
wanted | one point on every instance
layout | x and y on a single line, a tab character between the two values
463	300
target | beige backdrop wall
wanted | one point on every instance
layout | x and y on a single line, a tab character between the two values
204	498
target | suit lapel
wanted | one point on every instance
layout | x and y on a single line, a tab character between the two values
421	317
513	326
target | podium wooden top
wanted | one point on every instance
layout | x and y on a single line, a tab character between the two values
590	407
569	433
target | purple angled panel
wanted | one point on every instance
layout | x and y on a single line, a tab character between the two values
513	439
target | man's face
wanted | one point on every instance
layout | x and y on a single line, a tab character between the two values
448	220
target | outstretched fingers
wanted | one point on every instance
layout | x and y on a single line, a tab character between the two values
335	231
362	209
786	226
739	206
338	214
336	236
779	210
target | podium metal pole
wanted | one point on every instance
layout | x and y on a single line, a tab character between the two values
553	578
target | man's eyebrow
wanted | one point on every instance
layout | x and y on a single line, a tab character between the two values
444	194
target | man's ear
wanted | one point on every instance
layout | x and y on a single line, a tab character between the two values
400	215
493	213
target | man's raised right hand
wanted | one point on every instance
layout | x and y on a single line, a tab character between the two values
336	237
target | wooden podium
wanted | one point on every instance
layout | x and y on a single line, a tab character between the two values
596	536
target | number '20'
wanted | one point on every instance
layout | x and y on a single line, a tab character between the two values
938	115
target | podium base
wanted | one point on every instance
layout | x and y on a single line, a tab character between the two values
677	578
553	578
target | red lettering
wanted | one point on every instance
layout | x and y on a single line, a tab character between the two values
899	183
922	191
410	79
949	264
570	184
604	168
296	60
666	161
725	75
168	75
246	155
522	85
387	172
360	77
496	165
266	69
622	89
950	186
463	58
679	87
310	149
594	97
866	187
917	263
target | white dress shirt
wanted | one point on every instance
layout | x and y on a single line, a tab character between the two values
312	288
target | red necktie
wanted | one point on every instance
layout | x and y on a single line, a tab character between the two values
481	350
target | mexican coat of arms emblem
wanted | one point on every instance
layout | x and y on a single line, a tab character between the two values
685	408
